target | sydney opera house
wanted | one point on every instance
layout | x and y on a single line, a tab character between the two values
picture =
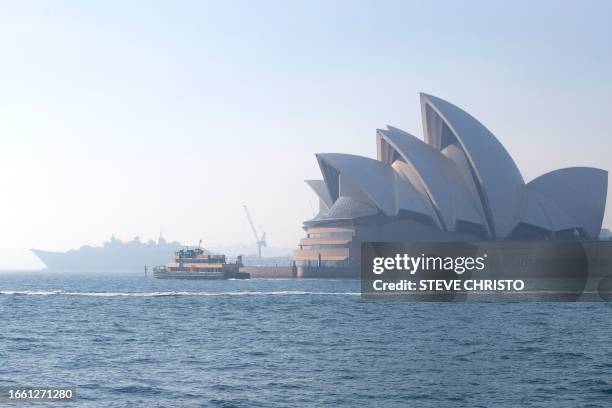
458	184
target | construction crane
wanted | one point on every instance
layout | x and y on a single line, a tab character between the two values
261	242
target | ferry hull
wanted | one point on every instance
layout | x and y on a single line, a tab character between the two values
200	275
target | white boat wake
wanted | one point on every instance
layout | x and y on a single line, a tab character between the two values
169	293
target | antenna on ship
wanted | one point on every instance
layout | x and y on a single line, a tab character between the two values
261	242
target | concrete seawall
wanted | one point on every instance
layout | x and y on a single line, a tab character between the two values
269	271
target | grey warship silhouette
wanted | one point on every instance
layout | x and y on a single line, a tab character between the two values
113	255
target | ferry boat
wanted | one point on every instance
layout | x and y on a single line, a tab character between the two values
195	264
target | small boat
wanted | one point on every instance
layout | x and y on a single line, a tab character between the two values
194	264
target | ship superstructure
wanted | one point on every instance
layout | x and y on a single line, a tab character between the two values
113	255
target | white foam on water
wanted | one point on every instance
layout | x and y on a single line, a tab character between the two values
169	293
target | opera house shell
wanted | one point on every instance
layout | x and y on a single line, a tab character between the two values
458	184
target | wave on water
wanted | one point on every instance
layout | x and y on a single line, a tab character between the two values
169	293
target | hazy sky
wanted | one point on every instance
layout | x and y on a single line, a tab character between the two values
130	117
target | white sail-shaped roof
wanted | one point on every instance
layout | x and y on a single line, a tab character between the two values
375	179
498	180
349	208
463	180
471	208
579	191
544	213
319	187
435	174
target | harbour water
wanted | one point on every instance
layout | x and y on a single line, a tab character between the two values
127	340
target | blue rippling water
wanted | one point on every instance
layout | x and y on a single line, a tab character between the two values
132	341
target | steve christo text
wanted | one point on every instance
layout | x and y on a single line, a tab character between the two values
413	264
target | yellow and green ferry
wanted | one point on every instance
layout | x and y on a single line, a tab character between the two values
194	264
